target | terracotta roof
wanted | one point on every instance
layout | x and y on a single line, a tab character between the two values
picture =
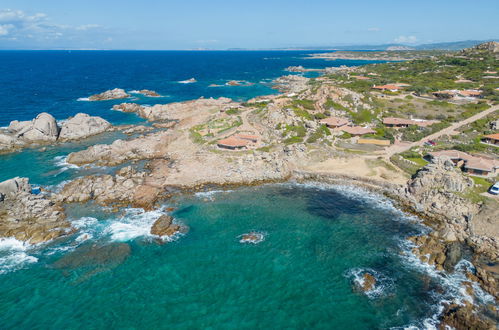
444	92
248	137
482	164
334	121
356	130
233	142
470	93
471	162
361	78
490	72
463	81
391	87
493	136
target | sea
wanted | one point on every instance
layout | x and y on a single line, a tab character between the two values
315	241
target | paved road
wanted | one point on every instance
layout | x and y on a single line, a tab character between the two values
451	130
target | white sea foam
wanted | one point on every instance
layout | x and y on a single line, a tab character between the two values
13	255
188	81
135	223
83	99
210	195
455	291
62	162
253	237
383	286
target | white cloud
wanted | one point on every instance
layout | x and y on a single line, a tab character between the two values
17	24
88	27
406	39
374	29
4	29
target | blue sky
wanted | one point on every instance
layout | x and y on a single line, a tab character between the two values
221	24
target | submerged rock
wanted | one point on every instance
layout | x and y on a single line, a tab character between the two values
368	282
252	237
164	226
112	94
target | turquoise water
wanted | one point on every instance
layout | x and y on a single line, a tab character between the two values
301	276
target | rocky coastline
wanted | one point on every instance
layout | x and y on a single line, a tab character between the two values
182	155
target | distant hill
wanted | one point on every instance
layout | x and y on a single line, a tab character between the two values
455	45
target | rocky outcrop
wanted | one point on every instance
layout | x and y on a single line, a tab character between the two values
147	92
41	129
45	130
128	107
147	147
82	126
112	94
28	217
290	84
436	191
127	187
182	110
164	226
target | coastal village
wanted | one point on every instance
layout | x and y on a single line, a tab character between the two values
422	129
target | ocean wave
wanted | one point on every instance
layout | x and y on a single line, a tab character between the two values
83	99
135	223
453	283
188	81
62	162
13	255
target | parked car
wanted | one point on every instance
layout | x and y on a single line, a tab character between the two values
494	190
430	143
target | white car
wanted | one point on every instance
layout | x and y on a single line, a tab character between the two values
494	190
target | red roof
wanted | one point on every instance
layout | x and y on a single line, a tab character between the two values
493	136
356	130
470	93
248	137
390	87
233	142
361	78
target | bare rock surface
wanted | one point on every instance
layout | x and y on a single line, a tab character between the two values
147	147
112	94
41	129
29	217
82	126
164	226
182	110
127	187
128	107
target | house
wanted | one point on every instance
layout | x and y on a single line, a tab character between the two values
356	130
333	122
248	137
470	93
491	139
233	143
401	122
361	78
480	166
391	88
444	95
468	163
463	81
490	72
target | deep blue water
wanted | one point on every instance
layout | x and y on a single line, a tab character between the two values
35	81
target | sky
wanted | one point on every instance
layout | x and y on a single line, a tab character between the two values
222	24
